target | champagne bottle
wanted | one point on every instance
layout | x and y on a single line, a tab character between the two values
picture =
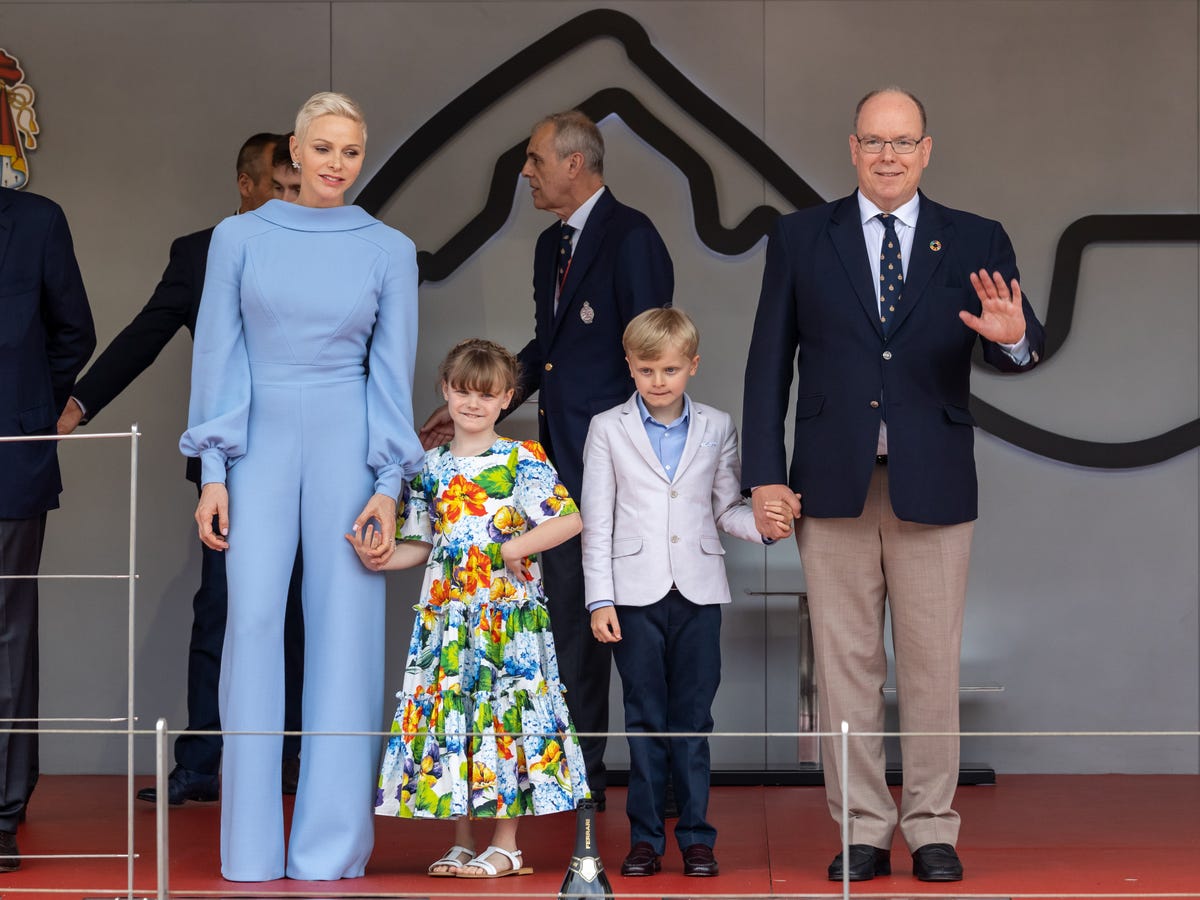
585	876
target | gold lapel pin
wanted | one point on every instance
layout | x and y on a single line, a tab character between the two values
935	246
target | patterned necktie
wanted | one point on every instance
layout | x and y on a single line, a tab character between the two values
564	253
891	272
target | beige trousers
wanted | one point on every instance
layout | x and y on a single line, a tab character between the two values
852	566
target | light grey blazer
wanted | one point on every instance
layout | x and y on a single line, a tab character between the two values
641	530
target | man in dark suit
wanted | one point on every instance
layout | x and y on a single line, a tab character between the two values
46	335
264	171
875	302
595	269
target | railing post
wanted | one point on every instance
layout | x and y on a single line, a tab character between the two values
162	758
130	643
845	810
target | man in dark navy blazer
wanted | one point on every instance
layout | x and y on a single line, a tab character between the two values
46	335
588	282
873	303
264	171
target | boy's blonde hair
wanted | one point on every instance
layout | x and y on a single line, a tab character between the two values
656	331
479	365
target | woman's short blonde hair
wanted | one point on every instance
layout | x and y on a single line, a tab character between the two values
656	332
328	103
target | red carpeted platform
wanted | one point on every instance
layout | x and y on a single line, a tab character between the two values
1027	836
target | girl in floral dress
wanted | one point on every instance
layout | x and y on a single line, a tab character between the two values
481	729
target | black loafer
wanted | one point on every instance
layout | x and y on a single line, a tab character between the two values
184	785
937	862
865	863
698	860
642	860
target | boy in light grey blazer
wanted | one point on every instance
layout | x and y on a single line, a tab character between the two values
661	475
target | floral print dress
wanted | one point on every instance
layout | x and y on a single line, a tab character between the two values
481	728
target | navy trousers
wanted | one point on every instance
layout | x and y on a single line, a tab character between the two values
669	658
20	554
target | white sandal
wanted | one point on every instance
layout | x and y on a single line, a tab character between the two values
490	871
453	861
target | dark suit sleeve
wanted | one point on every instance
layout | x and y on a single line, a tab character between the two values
769	369
139	343
1003	259
70	332
530	379
645	277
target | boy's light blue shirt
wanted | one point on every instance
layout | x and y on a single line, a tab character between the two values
667	440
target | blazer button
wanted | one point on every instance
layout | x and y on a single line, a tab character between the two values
674	539
541	412
887	354
674	494
549	366
874	404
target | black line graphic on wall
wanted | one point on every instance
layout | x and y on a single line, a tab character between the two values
427	141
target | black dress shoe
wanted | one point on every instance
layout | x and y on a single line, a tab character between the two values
183	785
642	860
937	862
291	775
698	860
9	861
865	863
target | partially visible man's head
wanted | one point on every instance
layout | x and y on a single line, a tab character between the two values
884	119
254	172
285	177
564	162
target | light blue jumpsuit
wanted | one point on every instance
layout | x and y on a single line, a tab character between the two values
284	411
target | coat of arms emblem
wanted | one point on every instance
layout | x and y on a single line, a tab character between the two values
18	124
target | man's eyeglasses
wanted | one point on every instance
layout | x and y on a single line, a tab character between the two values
875	145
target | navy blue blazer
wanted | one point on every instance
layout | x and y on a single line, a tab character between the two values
619	268
818	321
46	335
173	305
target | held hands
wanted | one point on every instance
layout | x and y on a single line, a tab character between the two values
379	549
366	545
437	430
605	627
1002	319
214	501
775	507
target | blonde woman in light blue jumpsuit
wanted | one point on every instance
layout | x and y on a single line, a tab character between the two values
296	423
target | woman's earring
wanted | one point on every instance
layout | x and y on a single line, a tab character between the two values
295	164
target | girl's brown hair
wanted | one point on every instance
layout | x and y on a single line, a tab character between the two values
477	364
